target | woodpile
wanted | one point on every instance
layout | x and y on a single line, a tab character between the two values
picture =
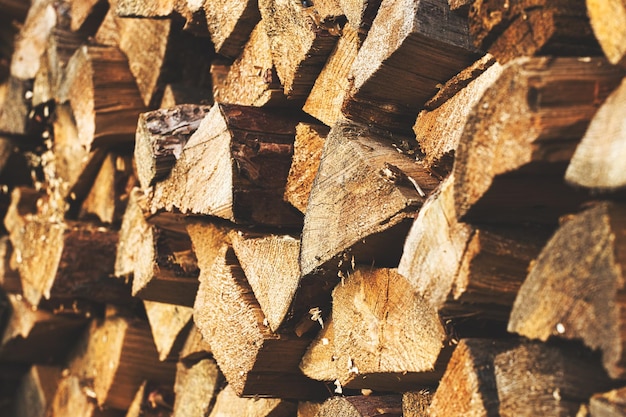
312	208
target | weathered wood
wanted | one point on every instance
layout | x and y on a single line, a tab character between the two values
301	40
160	138
532	27
360	13
307	153
170	326
608	20
384	337
230	24
228	404
396	72
416	403
251	79
519	138
195	347
595	163
609	404
254	360
362	406
36	391
574	289
193	398
241	156
75	398
499	377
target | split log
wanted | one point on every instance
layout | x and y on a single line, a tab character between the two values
103	95
195	347
241	155
384	336
439	127
332	85
36	391
9	276
388	87
609	404
574	289
608	20
526	28
500	377
74	397
228	404
521	135
114	357
360	13
14	119
254	360
176	94
307	153
87	15
301	39
362	406
161	261
460	4
230	24
595	163
308	408
251	79
160	138
147	8
193	398
416	403
170	326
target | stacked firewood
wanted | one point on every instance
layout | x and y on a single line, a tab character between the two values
313	208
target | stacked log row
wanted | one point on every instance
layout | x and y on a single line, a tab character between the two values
312	208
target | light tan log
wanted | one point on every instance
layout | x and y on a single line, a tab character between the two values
241	156
610	404
308	408
500	377
383	337
360	13
151	400
526	28
86	15
608	20
178	93
301	40
229	404
595	163
170	326
194	398
362	406
307	153
36	390
195	347
574	289
74	398
230	24
388	88
521	135
251	79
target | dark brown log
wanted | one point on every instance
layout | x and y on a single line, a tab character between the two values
574	289
521	135
9	276
228	404
388	87
193	398
608	404
36	390
362	406
241	156
491	377
230	25
170	326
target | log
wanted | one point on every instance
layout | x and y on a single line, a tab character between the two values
301	39
193	398
147	8
170	326
608	19
500	377
610	404
9	276
241	155
585	256
228	404
526	28
195	347
360	13
518	140
179	93
307	153
362	406
388	88
593	164
230	25
74	398
251	79
308	408
254	360
460	5
160	138
36	390
14	119
384	337
416	403
87	15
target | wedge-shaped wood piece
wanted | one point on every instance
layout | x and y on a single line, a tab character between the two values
270	264
595	163
254	360
230	24
161	262
383	337
360	13
307	153
389	88
300	42
466	270
86	15
36	390
362	406
195	347
114	357
72	398
240	156
530	27
170	326
612	403
103	95
251	79
229	404
521	135
160	138
574	289
360	169
308	408
504	377
194	398
608	20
